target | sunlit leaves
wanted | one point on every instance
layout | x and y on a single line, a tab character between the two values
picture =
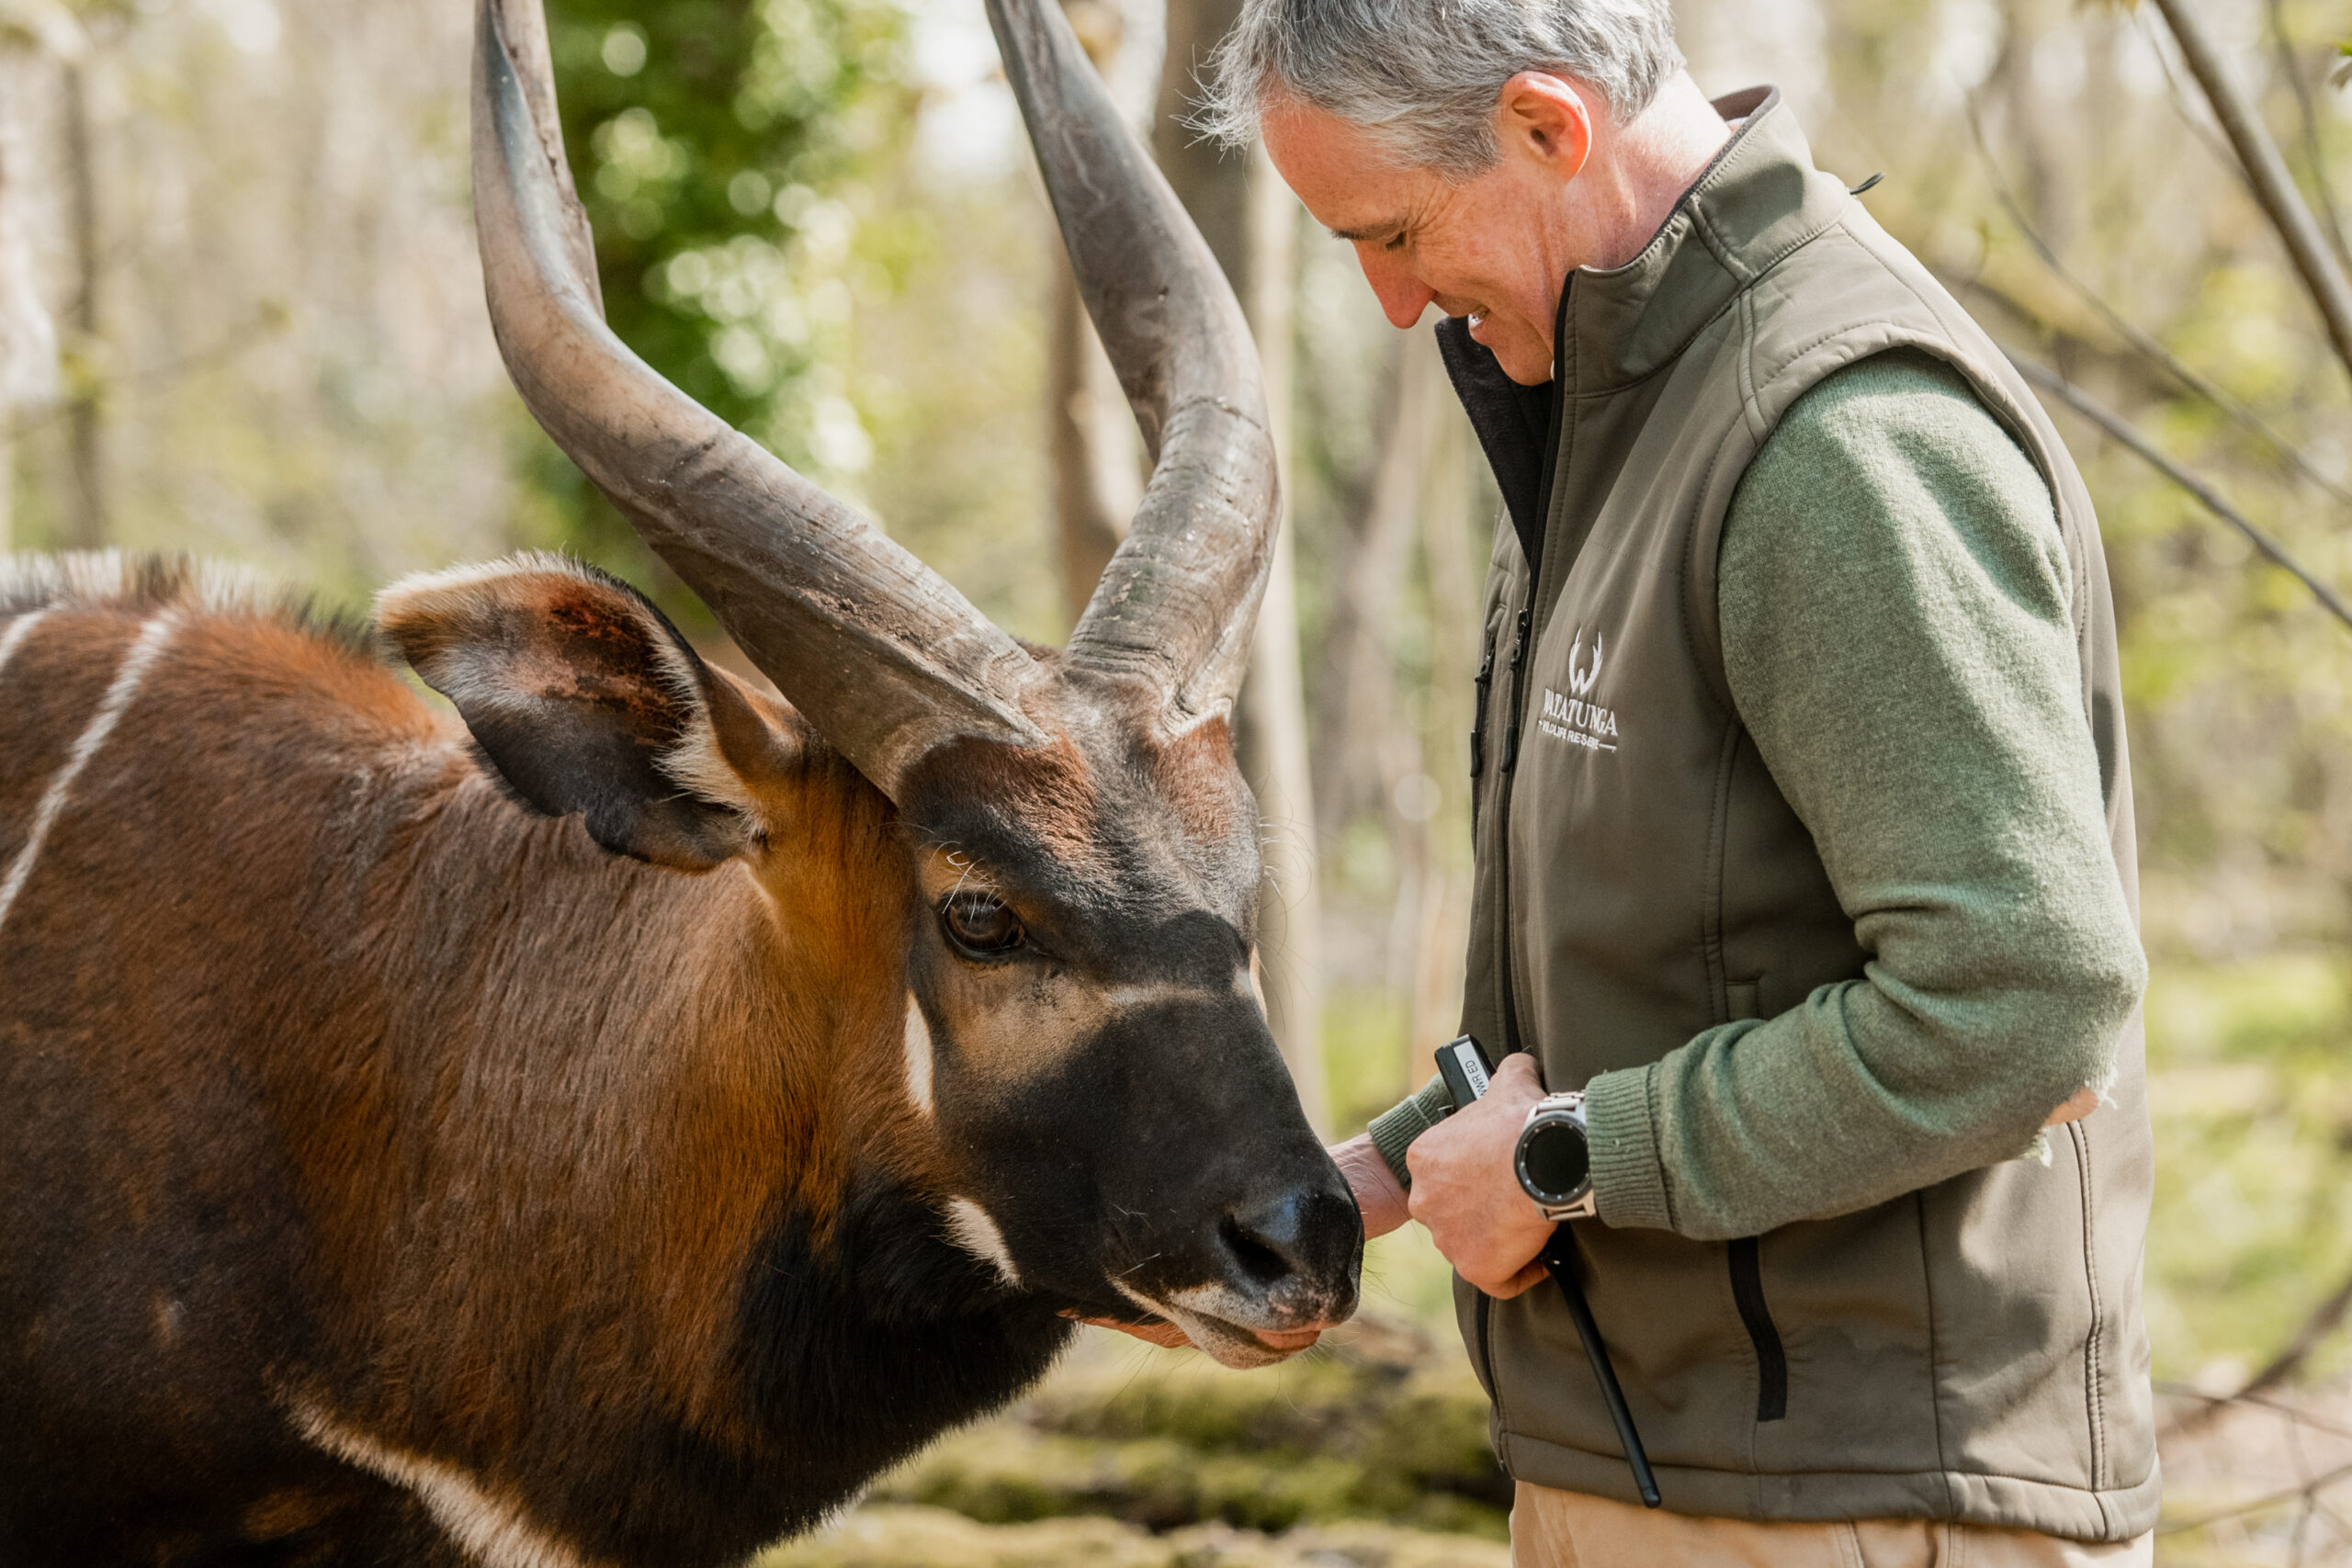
704	135
2254	1155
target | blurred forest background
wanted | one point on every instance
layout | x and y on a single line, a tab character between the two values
240	315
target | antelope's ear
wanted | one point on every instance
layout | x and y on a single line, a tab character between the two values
582	697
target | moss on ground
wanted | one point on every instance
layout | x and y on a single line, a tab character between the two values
887	1535
1377	1426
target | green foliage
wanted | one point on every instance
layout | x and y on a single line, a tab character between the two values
704	133
2253	1221
710	141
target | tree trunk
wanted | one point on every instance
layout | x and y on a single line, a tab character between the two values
2274	190
1093	445
1452	546
87	524
28	336
1096	453
1249	221
2024	112
1363	749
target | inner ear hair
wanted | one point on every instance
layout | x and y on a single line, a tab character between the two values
584	699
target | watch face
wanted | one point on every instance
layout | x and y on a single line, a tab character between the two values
1555	1161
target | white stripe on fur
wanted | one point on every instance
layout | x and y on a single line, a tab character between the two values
18	629
153	636
976	1231
494	1532
918	1057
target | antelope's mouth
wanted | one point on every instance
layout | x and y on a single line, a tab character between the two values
1238	1345
1227	1342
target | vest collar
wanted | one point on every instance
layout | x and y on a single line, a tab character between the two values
1760	198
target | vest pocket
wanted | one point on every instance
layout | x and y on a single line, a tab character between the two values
1772	1360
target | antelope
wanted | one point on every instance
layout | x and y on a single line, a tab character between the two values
612	1123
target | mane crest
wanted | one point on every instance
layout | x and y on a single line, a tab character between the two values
96	580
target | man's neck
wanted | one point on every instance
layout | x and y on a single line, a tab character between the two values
1640	169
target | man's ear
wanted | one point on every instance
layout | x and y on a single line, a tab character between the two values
1548	116
582	697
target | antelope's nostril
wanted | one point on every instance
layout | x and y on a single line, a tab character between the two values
1257	1257
1297	1250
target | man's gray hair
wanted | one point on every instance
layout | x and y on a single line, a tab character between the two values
1422	75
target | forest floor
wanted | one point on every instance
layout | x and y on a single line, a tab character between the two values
1370	1452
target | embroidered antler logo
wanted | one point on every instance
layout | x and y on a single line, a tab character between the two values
1573	716
1580	680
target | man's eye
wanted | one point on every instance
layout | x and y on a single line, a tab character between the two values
979	924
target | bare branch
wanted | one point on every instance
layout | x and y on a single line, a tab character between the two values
2140	341
2176	94
2302	1494
2209	1405
2122	430
2274	188
2325	1320
2307	120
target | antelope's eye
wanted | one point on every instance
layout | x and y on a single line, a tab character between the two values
980	925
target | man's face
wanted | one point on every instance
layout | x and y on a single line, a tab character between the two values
1494	249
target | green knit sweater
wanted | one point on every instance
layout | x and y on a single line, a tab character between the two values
1894	600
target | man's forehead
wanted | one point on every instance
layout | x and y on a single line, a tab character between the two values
1345	177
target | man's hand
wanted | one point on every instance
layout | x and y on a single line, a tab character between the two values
1466	1192
1379	1196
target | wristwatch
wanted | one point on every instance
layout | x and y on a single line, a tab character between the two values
1554	1158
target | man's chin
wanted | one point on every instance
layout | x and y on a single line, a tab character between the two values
1525	358
1530	366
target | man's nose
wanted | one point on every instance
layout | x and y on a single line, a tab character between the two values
1403	296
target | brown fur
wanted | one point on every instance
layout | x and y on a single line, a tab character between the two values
359	1112
412	1034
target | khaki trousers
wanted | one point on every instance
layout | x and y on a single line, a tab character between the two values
1568	1529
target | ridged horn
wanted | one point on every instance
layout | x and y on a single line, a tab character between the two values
1179	598
882	655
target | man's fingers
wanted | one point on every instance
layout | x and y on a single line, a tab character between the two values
1517	1285
1467	1191
1518	1071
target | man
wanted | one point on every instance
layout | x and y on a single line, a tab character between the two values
1802	811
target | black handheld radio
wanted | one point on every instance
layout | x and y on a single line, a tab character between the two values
1468	1075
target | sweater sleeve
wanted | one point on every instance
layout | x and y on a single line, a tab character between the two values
1394	1130
1894	597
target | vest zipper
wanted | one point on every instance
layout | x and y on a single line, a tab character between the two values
1771	1359
1518	666
1502	812
1484	682
1522	628
1524	624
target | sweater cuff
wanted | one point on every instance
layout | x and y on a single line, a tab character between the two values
1393	1130
1628	1179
